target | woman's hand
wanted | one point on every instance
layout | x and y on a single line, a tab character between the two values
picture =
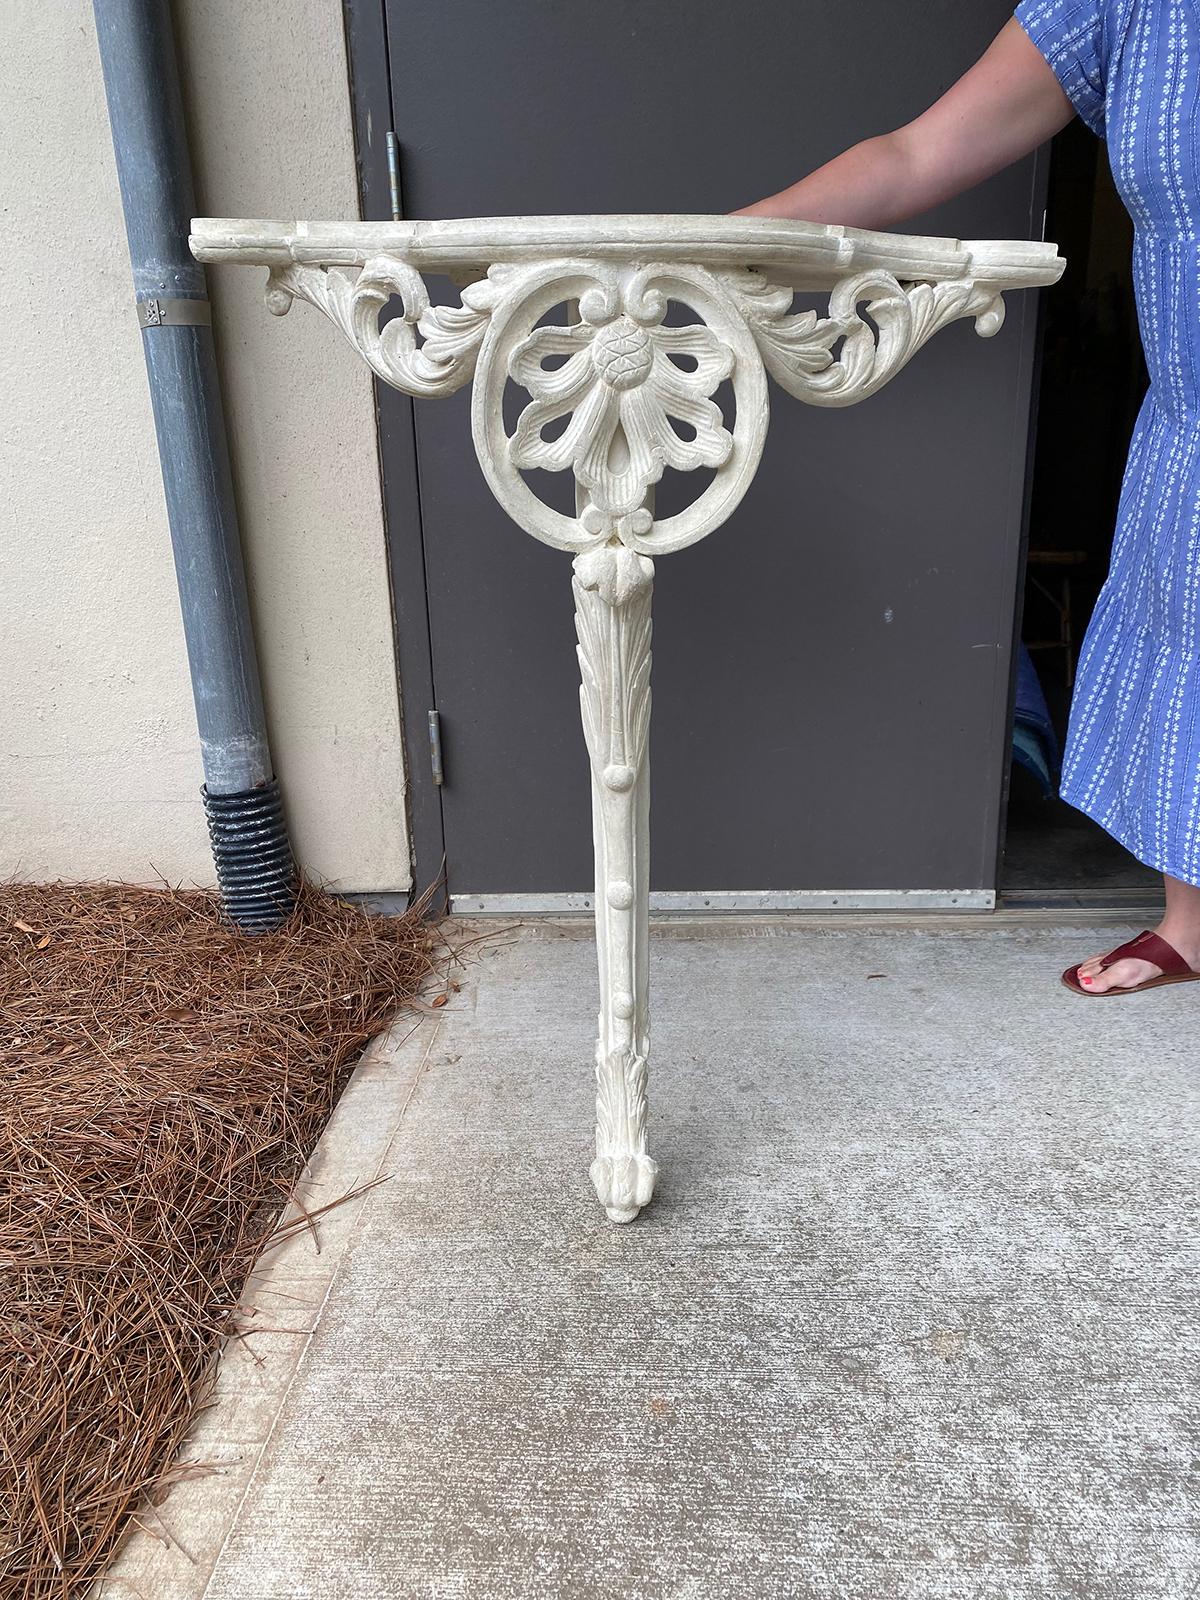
1005	106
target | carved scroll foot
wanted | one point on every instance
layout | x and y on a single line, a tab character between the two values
622	1172
612	588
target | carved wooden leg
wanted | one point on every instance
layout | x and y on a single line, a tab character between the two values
612	588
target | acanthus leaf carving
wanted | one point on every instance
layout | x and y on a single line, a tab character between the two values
451	336
621	385
612	622
798	348
622	1173
613	587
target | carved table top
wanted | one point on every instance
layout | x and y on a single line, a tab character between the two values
802	255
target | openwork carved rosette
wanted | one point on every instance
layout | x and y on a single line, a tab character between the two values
619	391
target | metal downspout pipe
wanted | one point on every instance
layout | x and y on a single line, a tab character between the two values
241	796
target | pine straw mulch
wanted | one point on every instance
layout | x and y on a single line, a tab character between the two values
162	1082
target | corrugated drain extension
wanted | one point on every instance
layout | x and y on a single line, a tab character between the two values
255	870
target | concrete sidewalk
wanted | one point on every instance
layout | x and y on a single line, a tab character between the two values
913	1312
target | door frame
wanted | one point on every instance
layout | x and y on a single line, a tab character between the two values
370	94
372	115
1032	335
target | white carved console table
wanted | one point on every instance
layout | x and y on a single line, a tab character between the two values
620	373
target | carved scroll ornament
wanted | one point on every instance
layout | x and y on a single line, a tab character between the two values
622	377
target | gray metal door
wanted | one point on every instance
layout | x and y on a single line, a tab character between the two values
831	668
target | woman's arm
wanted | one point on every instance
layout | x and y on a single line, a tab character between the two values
1005	106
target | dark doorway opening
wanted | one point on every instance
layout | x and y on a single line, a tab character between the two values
1092	382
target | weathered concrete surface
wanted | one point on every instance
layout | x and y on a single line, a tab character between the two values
913	1312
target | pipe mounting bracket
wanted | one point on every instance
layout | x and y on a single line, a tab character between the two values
161	312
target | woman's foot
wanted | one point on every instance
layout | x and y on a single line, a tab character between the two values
1181	935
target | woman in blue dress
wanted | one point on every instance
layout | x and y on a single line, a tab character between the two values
1129	69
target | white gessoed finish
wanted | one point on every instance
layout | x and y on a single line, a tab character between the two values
622	376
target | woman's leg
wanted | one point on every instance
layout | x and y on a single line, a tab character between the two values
1180	928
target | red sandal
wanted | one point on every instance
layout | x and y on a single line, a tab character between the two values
1146	947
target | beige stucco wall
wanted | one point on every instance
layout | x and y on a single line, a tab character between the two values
99	768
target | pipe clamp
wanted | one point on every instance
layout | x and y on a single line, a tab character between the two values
174	313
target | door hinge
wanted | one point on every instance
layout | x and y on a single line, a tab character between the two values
435	746
393	165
